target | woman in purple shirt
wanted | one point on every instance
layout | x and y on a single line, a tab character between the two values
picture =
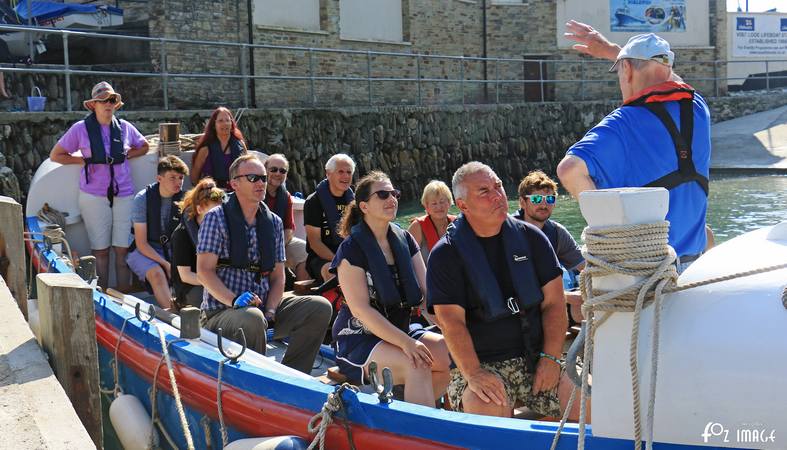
220	145
106	188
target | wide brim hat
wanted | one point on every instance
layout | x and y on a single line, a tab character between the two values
102	91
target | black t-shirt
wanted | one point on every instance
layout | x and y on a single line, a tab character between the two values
314	215
184	253
447	284
353	253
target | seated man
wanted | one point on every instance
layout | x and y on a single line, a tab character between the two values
496	288
154	216
537	199
240	263
322	211
279	201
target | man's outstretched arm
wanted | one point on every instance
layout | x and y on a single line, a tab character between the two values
574	176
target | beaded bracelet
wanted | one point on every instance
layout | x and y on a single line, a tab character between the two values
559	362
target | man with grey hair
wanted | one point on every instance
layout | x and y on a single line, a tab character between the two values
322	212
659	137
496	287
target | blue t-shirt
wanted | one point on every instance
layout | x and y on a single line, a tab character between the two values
631	148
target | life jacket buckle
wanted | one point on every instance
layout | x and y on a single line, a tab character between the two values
512	304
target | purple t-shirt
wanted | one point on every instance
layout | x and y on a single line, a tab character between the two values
76	138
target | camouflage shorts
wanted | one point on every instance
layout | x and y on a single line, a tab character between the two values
518	383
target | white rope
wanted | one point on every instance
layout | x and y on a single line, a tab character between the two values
175	392
116	390
639	251
332	405
222	428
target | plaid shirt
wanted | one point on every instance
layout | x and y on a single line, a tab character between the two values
214	238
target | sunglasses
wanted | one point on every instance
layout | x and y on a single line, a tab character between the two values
538	198
252	177
383	195
280	170
111	100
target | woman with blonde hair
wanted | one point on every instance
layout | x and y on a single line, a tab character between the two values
429	228
196	203
383	278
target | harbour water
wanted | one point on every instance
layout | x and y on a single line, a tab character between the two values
736	204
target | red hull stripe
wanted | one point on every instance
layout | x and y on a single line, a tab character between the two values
246	412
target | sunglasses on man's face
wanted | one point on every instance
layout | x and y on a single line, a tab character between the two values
383	195
253	177
538	198
280	170
110	100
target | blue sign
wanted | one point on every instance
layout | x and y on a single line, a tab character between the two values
644	16
746	23
784	24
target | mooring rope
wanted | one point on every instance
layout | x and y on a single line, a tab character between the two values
173	382
222	427
332	405
117	390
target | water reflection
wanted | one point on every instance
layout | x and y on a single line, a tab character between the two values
737	204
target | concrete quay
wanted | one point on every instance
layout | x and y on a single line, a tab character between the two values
756	143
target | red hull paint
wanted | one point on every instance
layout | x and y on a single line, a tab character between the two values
249	413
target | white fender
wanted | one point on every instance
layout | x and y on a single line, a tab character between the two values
269	443
131	422
33	319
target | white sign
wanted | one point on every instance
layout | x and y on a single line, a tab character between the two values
760	35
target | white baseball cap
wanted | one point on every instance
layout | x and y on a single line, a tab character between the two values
646	47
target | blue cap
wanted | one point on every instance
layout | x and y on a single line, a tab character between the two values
646	47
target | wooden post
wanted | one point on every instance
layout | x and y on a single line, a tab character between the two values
12	250
68	335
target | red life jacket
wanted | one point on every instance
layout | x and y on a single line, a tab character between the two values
653	99
429	229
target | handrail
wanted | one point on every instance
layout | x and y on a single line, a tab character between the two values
365	68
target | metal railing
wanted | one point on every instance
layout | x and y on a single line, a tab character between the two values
545	84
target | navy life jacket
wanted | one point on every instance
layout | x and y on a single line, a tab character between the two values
191	226
281	201
486	290
239	244
153	216
549	229
388	295
329	209
216	154
653	100
98	153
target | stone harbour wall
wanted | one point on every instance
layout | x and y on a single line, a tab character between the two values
412	144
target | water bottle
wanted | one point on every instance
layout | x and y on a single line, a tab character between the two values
243	300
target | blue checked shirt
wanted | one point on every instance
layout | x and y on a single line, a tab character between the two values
214	238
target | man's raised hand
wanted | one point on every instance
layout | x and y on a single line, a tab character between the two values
590	41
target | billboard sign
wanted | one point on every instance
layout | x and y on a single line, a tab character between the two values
761	36
643	16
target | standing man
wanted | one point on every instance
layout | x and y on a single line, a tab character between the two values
322	212
537	200
106	188
496	288
240	262
279	201
154	216
660	136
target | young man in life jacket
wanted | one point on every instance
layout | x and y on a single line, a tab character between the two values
497	290
279	201
321	214
537	200
240	262
660	136
154	216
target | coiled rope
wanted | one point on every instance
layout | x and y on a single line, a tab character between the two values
332	405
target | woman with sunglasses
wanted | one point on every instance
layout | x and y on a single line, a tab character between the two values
196	203
106	189
221	144
383	278
429	228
